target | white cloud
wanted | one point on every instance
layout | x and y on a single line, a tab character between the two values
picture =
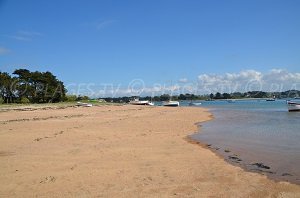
102	24
249	80
4	50
183	80
24	35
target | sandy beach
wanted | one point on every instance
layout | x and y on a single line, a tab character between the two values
118	151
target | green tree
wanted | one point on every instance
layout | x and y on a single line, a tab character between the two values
181	97
165	97
226	96
70	98
39	87
8	87
23	87
218	95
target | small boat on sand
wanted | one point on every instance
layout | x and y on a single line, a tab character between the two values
293	106
150	103
136	101
83	104
171	103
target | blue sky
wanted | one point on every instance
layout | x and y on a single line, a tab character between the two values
117	41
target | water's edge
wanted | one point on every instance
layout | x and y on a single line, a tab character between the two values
235	160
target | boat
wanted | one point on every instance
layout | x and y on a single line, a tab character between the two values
150	104
136	101
83	104
192	103
195	103
171	103
230	101
270	99
293	106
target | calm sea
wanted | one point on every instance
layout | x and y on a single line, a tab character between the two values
258	135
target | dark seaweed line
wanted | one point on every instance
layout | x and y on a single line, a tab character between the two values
38	119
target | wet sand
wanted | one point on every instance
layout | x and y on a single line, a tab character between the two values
118	151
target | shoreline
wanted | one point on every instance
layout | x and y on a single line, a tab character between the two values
237	162
119	151
240	158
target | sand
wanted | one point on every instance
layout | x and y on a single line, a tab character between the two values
118	151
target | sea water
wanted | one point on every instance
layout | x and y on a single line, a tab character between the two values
258	135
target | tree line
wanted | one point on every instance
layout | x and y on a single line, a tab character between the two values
215	96
24	86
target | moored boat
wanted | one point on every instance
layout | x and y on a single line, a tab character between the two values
195	103
83	104
230	101
270	99
140	102
293	106
171	103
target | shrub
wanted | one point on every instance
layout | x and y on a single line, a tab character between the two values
71	98
24	100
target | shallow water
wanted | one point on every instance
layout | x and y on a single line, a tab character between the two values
256	131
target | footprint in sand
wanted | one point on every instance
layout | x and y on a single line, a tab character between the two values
58	133
38	139
73	167
6	153
48	179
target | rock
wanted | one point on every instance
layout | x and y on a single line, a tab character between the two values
226	150
261	165
286	174
234	158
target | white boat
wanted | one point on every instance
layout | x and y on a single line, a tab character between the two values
230	101
151	104
140	102
293	106
82	104
171	103
195	103
270	99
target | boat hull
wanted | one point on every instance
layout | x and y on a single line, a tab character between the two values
142	102
292	106
139	103
171	104
195	103
270	100
82	104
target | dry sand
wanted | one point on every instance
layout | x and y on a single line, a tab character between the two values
118	151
